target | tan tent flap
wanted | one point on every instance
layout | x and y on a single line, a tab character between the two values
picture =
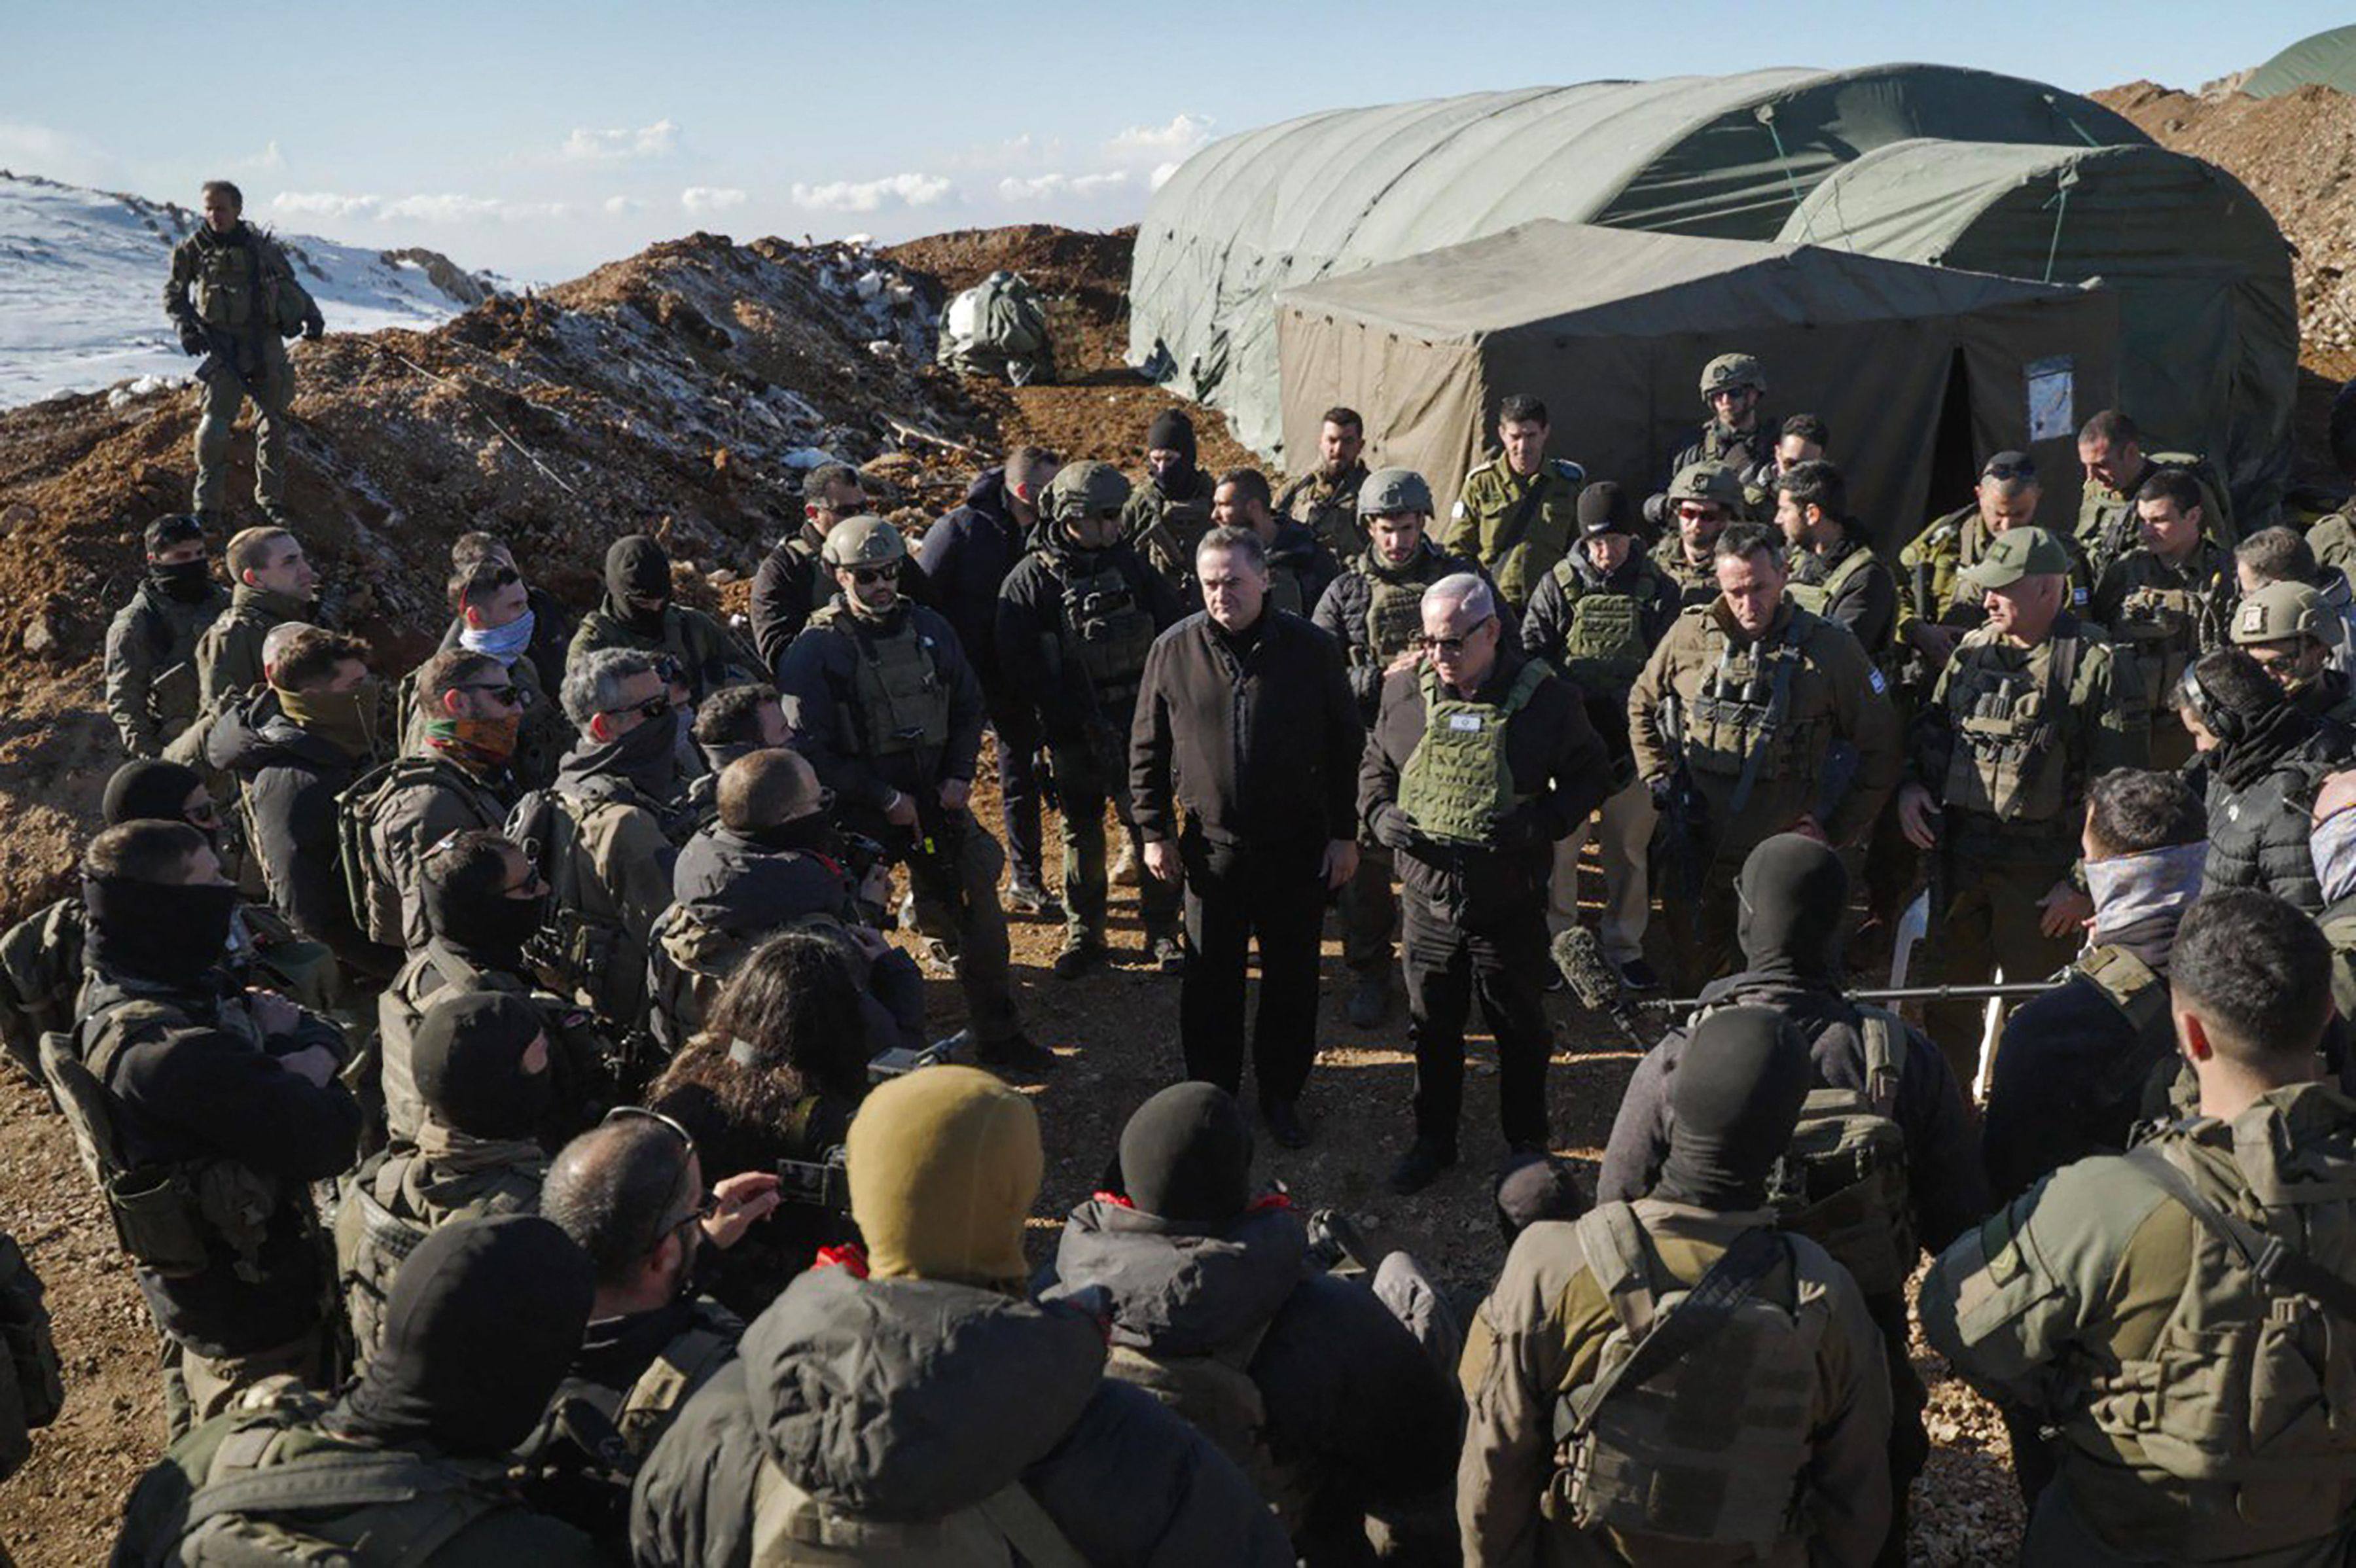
1920	371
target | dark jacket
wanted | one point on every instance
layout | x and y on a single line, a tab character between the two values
1032	635
1298	551
710	656
291	780
792	584
2258	831
1546	629
1259	740
816	680
966	557
1867	602
1357	1409
742	887
194	1083
1342	608
1556	760
912	1399
151	672
2068	1082
1945	1182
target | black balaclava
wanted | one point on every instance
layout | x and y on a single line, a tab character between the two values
168	933
637	564
1794	901
492	931
1186	1156
1171	431
186	581
467	1059
648	756
482	1322
1535	1187
1733	1099
810	833
149	791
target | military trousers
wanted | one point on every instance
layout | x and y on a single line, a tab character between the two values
198	1388
1622	830
1990	923
1503	968
957	902
1083	788
1237	895
272	388
1370	913
1702	929
1014	738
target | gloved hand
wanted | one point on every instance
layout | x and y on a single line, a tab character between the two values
1394	829
192	338
315	327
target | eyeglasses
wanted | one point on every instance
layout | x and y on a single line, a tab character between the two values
1697	513
867	577
1452	646
1727	394
509	695
652	708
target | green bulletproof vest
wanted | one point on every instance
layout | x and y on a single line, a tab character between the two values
1818	598
1394	606
1605	647
1842	1183
227	287
1713	1447
277	1490
171	1217
1216	1393
1743	705
902	702
384	1211
2247	1385
2166	626
2007	761
1458	784
1108	631
1284	591
2133	987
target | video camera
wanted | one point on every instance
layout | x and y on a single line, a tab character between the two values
826	1183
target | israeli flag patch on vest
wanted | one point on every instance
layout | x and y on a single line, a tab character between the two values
1465	722
1880	685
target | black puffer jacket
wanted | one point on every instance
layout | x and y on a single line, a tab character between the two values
912	1399
291	779
1354	1402
2259	832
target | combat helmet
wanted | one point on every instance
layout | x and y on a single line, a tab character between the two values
1728	371
863	540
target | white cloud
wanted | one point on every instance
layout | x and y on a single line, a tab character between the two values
326	203
873	195
58	155
1023	151
269	158
703	198
1143	144
443	208
446	207
1161	173
587	145
1047	186
619	205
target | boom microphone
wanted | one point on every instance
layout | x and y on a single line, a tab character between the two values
1597	983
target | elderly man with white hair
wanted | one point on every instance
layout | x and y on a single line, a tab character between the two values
1481	758
1245	718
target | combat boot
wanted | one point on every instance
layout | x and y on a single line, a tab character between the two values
1081	952
1026	896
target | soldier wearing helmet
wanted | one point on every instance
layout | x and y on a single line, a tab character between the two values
1373	610
1076	618
1703	498
1738	432
879	695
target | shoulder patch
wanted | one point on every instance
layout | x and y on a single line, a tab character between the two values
1873	678
1456	512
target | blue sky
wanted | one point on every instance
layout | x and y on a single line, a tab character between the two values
540	139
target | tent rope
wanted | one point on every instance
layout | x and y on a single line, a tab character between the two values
1766	114
2060	205
2060	114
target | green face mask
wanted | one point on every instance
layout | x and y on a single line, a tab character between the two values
347	719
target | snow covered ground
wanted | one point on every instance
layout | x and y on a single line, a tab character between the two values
81	287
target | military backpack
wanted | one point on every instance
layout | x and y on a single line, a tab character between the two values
1696	1426
1842	1182
40	972
1458	783
371	882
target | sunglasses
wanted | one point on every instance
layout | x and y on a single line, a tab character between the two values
509	695
1697	513
1452	646
652	708
867	577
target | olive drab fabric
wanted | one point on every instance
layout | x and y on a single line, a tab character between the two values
1818	598
393	1201
2108	527
793	1530
2339	923
1216	1393
240	284
2165	616
373	880
2133	987
900	700
585	950
1633	1463
1394	603
152	688
998	327
1696	581
1515	528
2008	762
1327	507
1605	646
1457	784
1842	1183
1737	724
1106	629
169	1217
40	971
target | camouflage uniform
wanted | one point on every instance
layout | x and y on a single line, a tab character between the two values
151	665
2167	617
2108	527
2195	1407
1327	508
246	299
1494	495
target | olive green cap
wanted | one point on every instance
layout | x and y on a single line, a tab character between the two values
1708	482
1387	491
1084	489
2019	553
2276	613
863	540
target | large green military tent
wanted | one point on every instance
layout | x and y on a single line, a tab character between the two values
1330	193
1920	371
2207	322
2329	58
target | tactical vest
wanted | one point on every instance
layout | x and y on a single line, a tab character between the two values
1818	598
2129	985
2007	761
793	1530
228	284
275	1490
1394	607
1739	723
171	1217
583	952
40	972
2166	627
378	1226
1842	1182
1605	647
1216	1393
1106	631
1458	784
900	703
681	1367
2247	1385
1713	1447
371	882
1284	589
